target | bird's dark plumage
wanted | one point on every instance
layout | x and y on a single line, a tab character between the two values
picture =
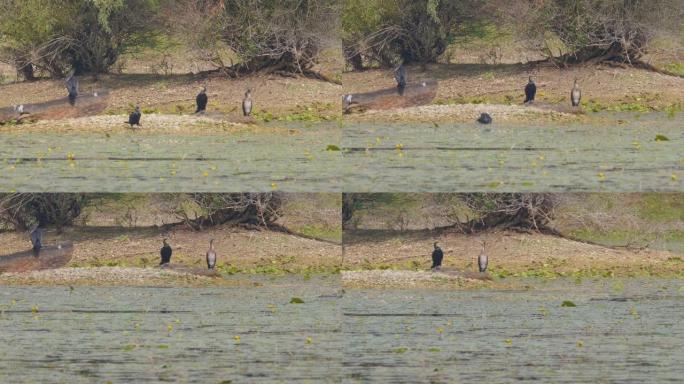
202	99
211	255
134	117
247	103
485	118
530	91
575	95
400	76
36	238
72	87
437	256
165	253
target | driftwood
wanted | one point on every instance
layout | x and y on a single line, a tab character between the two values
49	257
412	95
86	105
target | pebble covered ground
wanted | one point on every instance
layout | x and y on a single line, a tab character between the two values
389	278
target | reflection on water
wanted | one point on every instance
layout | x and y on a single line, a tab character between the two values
619	331
514	158
98	334
169	163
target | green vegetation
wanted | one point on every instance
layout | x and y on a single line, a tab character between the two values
236	36
386	32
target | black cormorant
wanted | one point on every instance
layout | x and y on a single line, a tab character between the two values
437	256
575	95
202	100
400	76
530	91
72	87
165	253
134	117
36	235
482	260
247	103
485	118
211	255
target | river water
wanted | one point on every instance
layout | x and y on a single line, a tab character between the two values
619	331
172	163
153	334
626	331
553	157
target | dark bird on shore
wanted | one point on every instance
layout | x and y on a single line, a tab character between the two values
400	77
165	253
36	235
72	87
134	117
202	99
211	255
482	260
530	91
485	118
247	103
575	95
437	256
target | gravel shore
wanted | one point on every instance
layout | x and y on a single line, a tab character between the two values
104	276
388	278
464	113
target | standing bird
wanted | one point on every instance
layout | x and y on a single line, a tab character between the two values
485	118
202	99
400	76
72	87
134	117
437	256
165	253
575	95
247	103
482	260
211	255
530	91
36	235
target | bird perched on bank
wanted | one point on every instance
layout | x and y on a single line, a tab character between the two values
165	253
134	117
36	235
18	109
530	91
575	94
484	118
400	76
482	260
247	103
201	100
346	100
437	256
72	87
211	255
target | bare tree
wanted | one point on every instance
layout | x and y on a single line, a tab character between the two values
210	209
22	210
593	30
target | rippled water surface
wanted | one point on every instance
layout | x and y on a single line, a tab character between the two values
619	332
123	335
382	157
169	163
